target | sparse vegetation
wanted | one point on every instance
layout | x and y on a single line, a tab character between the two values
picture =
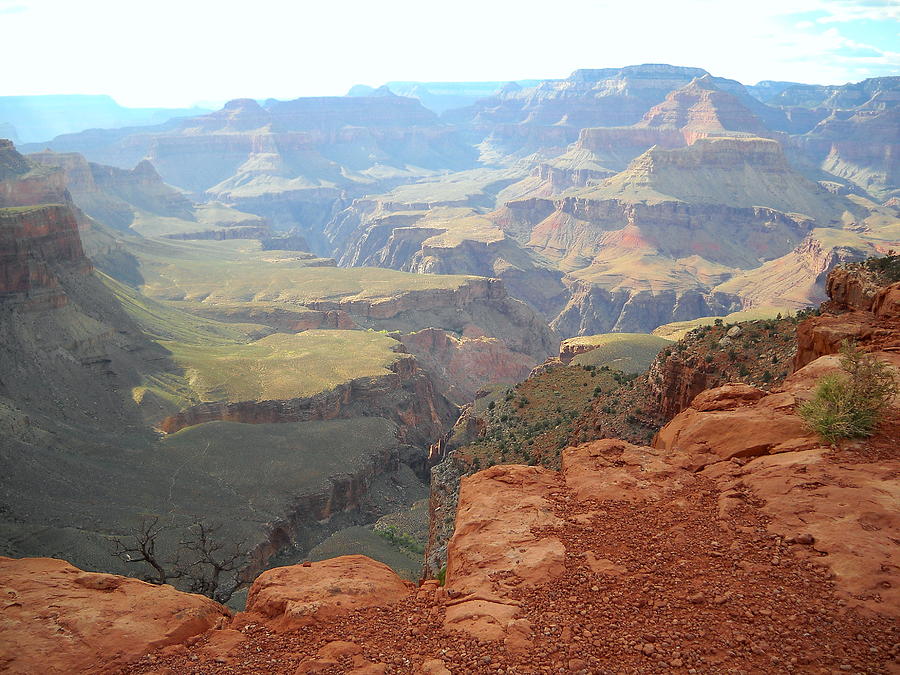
886	267
628	352
197	564
850	404
401	539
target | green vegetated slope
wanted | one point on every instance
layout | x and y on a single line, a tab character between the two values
364	540
397	539
678	329
283	365
627	352
531	422
287	455
240	271
474	185
212	217
244	362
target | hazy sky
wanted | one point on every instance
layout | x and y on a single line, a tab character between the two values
178	52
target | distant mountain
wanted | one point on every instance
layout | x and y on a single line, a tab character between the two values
288	161
40	118
551	114
840	97
765	90
443	96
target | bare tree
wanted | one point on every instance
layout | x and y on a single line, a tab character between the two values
142	549
202	560
210	557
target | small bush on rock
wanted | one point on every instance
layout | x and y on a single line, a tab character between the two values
850	404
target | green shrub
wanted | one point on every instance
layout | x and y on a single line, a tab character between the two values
850	404
888	267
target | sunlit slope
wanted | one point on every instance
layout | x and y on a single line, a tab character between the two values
628	352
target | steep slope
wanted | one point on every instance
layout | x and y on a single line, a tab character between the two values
137	201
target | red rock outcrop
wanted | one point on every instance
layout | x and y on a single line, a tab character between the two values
36	245
851	288
875	330
58	619
734	421
497	512
886	304
300	595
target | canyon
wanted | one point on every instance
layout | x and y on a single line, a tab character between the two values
475	377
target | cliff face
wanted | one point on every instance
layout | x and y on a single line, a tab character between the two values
463	365
37	244
592	309
861	147
23	183
406	397
111	195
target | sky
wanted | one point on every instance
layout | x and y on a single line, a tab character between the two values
176	53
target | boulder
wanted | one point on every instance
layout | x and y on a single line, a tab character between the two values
300	595
721	425
498	510
886	304
58	619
